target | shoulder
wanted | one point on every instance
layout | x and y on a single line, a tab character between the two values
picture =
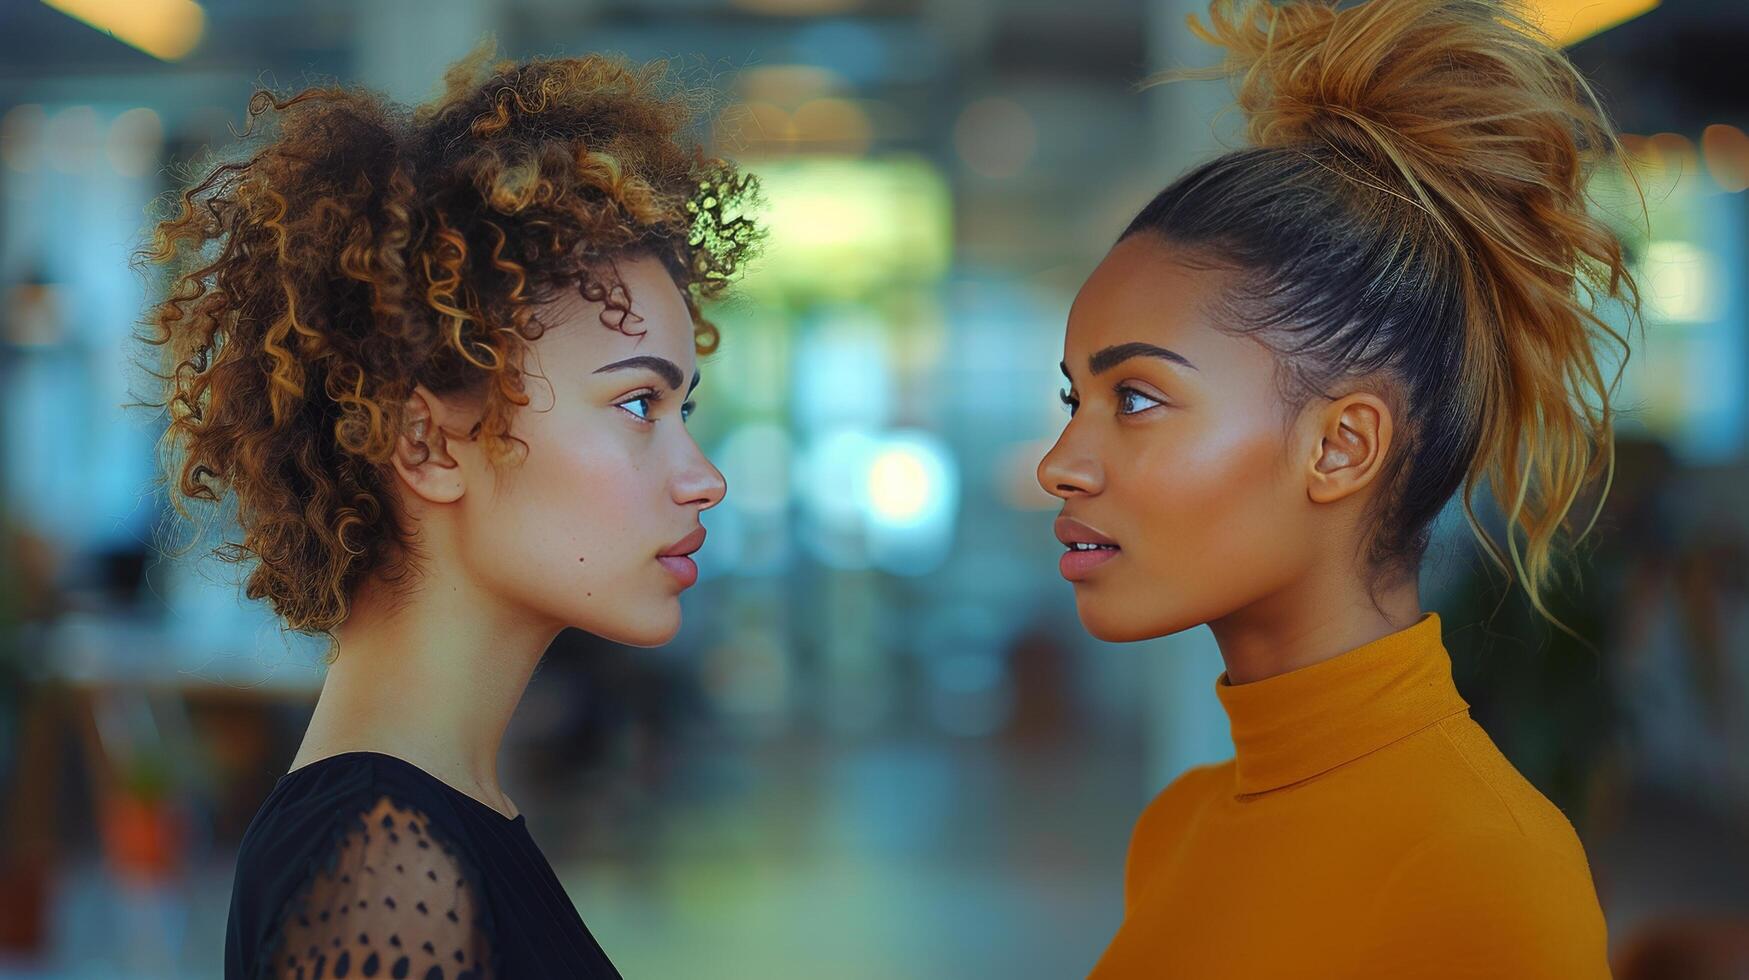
347	842
1497	859
1502	799
1532	898
389	895
1163	820
1485	856
312	807
1187	793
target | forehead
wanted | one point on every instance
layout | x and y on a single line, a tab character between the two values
658	323
1143	291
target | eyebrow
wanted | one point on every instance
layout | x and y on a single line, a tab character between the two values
664	368
1110	357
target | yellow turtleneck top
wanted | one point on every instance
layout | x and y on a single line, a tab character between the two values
1365	827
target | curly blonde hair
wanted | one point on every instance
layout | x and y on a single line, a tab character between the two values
363	248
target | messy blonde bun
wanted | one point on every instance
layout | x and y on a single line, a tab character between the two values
1411	207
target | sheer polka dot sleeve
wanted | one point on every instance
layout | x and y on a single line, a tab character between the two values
391	901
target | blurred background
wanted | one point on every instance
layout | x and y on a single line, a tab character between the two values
881	746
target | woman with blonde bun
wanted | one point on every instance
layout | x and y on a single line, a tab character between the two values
1290	362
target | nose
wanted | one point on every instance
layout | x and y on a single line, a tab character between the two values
1068	470
698	483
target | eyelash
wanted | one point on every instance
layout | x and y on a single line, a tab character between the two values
652	396
1124	392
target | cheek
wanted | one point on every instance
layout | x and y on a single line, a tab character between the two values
594	514
1213	516
574	500
1209	483
568	525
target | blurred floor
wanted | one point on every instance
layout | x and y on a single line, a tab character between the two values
901	859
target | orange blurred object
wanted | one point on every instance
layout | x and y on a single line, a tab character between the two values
144	838
1726	151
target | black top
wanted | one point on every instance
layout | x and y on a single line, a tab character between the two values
364	865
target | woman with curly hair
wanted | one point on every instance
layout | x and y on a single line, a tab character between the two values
441	361
1293	357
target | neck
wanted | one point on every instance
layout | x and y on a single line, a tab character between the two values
432	676
1312	621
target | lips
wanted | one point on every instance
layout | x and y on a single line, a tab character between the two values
685	546
675	558
1088	549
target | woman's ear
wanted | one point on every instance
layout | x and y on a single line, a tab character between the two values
422	458
1354	433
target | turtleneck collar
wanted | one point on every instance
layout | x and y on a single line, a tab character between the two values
1293	726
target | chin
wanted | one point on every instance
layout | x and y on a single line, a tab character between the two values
1109	620
654	628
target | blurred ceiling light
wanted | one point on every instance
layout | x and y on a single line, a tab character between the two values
1672	152
1677	150
1680	280
135	140
164	29
847	228
1572	21
828	479
909	498
899	486
1726	150
995	137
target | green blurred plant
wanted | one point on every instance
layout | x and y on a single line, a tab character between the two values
147	774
